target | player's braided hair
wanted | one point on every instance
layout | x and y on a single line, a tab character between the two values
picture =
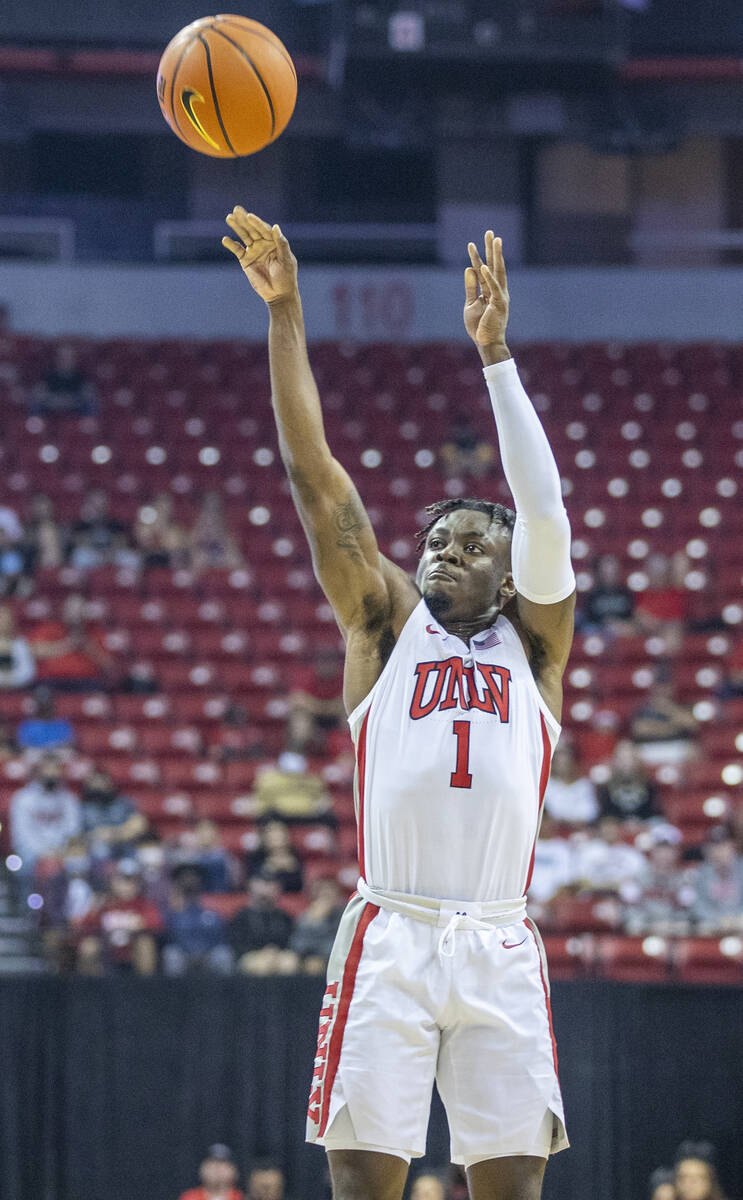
497	512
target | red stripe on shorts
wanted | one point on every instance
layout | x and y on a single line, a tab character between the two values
544	776
530	926
339	1025
361	765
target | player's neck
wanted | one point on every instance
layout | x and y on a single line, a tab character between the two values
466	629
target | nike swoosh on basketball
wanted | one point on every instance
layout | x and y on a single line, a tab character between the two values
188	97
512	945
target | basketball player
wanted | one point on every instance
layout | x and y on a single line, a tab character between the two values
453	689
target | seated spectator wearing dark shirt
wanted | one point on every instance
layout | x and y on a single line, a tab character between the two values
203	847
662	729
96	534
629	793
121	934
71	654
110	821
609	605
315	930
275	857
17	664
65	388
466	455
161	541
194	935
218	1175
718	884
44	731
259	934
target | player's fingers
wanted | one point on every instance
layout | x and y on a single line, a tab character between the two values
489	239
493	285
474	257
282	243
500	264
258	227
471	290
237	226
237	248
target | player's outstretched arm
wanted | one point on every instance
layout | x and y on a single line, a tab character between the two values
346	558
540	553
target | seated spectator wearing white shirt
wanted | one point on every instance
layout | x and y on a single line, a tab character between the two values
570	796
660	900
553	863
17	663
605	863
44	815
718	884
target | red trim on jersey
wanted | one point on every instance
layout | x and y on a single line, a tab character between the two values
361	768
529	924
339	1025
544	776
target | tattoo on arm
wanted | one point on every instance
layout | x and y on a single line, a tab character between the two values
348	525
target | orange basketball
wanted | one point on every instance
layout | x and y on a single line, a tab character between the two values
226	85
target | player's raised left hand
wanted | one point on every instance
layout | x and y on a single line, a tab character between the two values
486	297
264	255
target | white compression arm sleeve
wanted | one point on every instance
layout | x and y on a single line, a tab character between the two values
540	551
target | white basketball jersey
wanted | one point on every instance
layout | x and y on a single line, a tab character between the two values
453	750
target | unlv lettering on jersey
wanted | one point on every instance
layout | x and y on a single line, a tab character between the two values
449	684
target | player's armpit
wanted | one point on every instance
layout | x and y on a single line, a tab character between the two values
551	626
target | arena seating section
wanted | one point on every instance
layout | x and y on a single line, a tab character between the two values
649	439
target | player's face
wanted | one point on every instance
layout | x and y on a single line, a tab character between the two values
465	568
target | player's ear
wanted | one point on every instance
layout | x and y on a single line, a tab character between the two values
507	589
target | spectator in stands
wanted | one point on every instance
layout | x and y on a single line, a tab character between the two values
608	607
10	524
65	387
211	544
266	1181
71	654
17	664
203	847
161	541
96	533
718	884
315	930
111	821
44	731
315	700
570	796
605	863
695	1177
12	565
121	934
235	738
218	1175
553	863
69	884
733	682
44	815
194	935
661	1185
660	900
275	857
466	455
8	744
43	543
259	934
154	869
427	1187
629	793
661	608
290	792
662	729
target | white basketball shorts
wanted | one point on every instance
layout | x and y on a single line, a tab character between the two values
398	1013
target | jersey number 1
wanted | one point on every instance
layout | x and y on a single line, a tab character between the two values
461	777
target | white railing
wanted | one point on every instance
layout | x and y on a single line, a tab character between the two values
36	238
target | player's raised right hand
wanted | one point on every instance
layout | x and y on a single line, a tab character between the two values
264	255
